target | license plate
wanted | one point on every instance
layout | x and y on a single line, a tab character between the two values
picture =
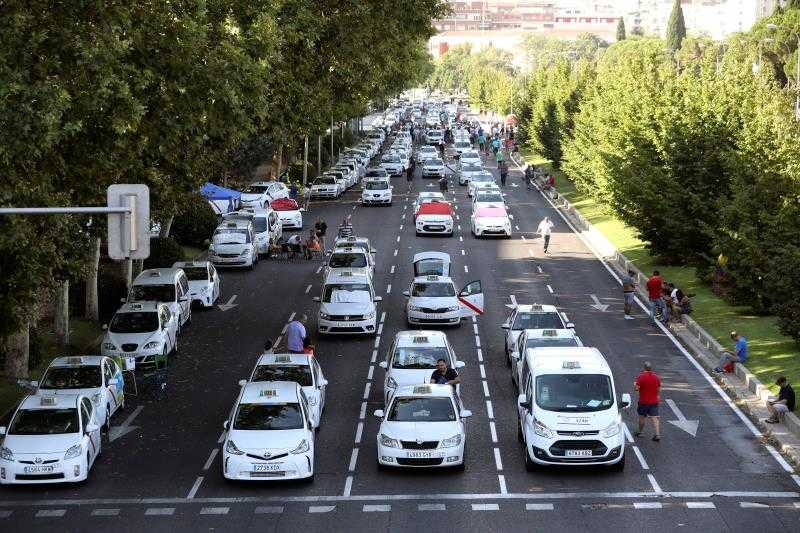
429	316
433	227
267	467
346	325
579	453
39	469
420	455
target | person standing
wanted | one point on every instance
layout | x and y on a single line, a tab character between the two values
628	292
503	172
545	229
655	293
739	355
410	174
321	228
648	384
530	174
783	404
296	336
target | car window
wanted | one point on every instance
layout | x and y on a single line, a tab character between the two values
525	320
422	410
376	186
419	357
71	377
260	417
44	422
184	283
433	290
255	189
107	373
138	322
86	412
196	273
300	374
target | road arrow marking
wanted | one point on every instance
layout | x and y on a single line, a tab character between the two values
229	304
597	305
126	427
514	185
689	426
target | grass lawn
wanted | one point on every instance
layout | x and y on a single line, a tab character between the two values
771	353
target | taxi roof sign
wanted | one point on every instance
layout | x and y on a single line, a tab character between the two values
571	364
432	278
420	339
74	360
283	359
268	393
422	389
47	401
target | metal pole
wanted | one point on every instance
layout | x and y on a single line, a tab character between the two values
305	161
61	210
331	161
319	155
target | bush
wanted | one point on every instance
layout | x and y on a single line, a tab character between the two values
163	253
195	223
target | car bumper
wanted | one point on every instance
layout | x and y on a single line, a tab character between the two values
373	200
437	458
441	319
246	468
496	232
203	298
337	327
324	194
547	451
432	228
231	261
63	471
292	224
433	173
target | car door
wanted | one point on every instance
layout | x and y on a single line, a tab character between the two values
108	392
524	413
322	384
182	289
169	325
116	387
89	421
517	355
215	283
471	299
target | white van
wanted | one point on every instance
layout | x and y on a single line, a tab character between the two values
234	244
166	285
347	304
568	413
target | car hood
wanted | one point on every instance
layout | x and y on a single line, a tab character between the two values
499	221
236	239
324	186
33	444
597	420
420	431
251	197
354	308
433	301
118	339
404	376
294	213
273	440
357	271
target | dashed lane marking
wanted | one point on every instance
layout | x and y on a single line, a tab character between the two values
431	507
489	410
380	326
753	505
480	355
647	505
389	289
319	269
363	412
483	371
159	511
348	486
265	509
215	510
105	512
493	431
359	432
322	508
477	341
654	483
291	317
502	481
221	437
466	268
485	507
538	506
370	372
498	462
401	229
51	513
395	252
463	252
700	505
398	238
485	388
353	460
210	459
383	317
374	355
376	508
640	457
377	341
391	270
475	329
195	488
367	387
539	268
460	238
308	289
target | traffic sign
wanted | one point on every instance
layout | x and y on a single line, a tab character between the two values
129	232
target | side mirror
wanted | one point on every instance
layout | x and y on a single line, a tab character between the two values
91	428
466	413
406	293
459	364
316	299
626	400
379	413
242	382
35	384
183	299
521	401
104	327
2	430
378	299
112	381
323	383
225	425
570	325
383	364
373	250
515	355
505	326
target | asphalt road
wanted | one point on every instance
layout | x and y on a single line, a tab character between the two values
164	473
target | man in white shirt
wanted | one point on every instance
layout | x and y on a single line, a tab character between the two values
545	229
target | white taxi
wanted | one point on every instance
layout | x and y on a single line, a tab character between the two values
302	369
347	304
204	281
538	338
490	220
534	316
355	260
326	186
425	197
433	168
412	359
289	213
377	191
96	377
423	426
147	331
270	434
488	197
479	180
433	300
50	439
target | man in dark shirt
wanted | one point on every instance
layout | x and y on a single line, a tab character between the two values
783	404
444	375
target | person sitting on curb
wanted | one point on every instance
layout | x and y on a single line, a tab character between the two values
783	404
739	354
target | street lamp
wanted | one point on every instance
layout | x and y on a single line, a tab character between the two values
797	72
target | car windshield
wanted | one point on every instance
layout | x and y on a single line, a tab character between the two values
347	260
434	162
541	342
419	357
45	422
376	173
482	177
327	181
260	224
346	293
260	417
574	392
471	168
550	320
152	293
422	410
376	185
255	189
196	273
494	197
138	322
300	374
433	290
390	159
72	377
221	235
463	144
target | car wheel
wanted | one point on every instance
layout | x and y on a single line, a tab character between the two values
175	345
107	424
508	357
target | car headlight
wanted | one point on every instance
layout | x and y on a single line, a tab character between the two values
455	440
389	442
246	252
152	345
540	429
611	430
109	346
414	308
231	448
369	316
96	398
6	454
324	316
73	452
302	447
453	308
391	383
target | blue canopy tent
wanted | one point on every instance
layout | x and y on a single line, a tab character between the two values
221	199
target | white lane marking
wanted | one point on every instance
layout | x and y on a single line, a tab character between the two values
348	486
195	487
264	509
463	252
380	326
781	461
483	371
395	252
319	269
474	320
383	317
538	506
489	409
371	371
308	289
283	331
353	460
539	268
398	238
459	227
431	507
654	483
401	227
498	462
363	411
210	459
51	513
516	227
485	388
221	437
513	299
389	288
753	505
466	268
647	505
475	329
480	355
639	456
550	289
485	507
391	270
458	217
796	478
323	508
477	341
291	317
493	431
366	390
278	340
523	237
377	341
502	480
460	238
215	510
627	432
159	511
359	431
376	508
374	355
700	505
104	512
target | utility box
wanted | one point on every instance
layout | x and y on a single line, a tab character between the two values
129	232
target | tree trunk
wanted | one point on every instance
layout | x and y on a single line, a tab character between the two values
166	227
319	155
305	160
92	303
280	162
18	353
61	321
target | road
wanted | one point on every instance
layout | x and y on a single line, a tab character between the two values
164	473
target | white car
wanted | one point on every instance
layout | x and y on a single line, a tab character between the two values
568	413
527	316
478	181
377	192
96	377
487	197
204	281
376	173
425	197
147	331
465	172
462	145
433	300
412	359
347	304
392	164
169	286
434	136
50	439
256	195
470	157
538	338
349	172
289	213
266	226
489	220
326	186
234	244
434	218
342	178
427	152
423	426
270	434
302	369
433	168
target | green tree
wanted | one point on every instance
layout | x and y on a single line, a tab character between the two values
620	29
676	27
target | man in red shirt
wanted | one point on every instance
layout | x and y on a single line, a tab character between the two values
648	384
655	291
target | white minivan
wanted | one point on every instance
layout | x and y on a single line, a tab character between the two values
568	413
